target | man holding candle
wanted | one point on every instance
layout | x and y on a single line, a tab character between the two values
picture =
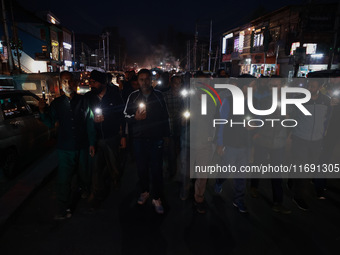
107	105
148	116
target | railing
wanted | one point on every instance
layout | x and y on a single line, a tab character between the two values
23	68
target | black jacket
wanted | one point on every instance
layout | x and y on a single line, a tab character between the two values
76	130
156	124
112	108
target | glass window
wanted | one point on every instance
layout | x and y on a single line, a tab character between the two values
13	106
32	102
29	86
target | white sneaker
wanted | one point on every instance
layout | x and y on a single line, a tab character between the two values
158	206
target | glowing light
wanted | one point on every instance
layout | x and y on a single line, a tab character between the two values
186	114
68	63
98	111
317	55
154	72
229	36
336	92
67	45
141	105
184	93
159	82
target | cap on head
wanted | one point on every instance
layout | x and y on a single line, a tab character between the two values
98	76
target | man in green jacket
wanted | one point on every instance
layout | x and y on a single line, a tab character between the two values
76	139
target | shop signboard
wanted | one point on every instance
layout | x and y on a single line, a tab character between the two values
226	58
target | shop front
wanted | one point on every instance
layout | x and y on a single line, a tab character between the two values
261	65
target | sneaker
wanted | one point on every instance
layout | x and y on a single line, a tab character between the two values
200	207
158	205
143	197
301	204
218	188
64	215
279	208
241	207
320	195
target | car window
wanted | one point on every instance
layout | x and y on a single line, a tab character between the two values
32	102
13	106
29	86
6	84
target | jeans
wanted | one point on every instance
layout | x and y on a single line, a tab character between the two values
304	152
276	157
106	168
236	157
149	157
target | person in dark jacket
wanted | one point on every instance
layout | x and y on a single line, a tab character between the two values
234	144
307	137
148	117
76	138
107	104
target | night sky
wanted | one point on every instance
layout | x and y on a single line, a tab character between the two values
139	22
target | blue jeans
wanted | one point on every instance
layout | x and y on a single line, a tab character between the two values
149	156
236	157
304	152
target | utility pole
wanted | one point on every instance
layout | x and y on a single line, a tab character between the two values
16	39
188	55
74	51
104	58
336	28
108	50
9	51
195	48
202	57
216	56
210	45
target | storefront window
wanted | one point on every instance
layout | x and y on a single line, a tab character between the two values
236	44
258	40
241	42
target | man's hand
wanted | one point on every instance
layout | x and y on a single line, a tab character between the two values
123	142
42	105
335	101
92	151
140	115
220	150
98	118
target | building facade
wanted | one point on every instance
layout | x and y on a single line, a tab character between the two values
291	41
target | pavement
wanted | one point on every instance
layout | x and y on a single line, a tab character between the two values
121	226
26	185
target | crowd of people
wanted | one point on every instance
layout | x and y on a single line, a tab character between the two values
148	121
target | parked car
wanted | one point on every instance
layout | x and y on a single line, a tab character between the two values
7	82
324	74
41	84
22	134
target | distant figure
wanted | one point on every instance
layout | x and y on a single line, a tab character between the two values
174	102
